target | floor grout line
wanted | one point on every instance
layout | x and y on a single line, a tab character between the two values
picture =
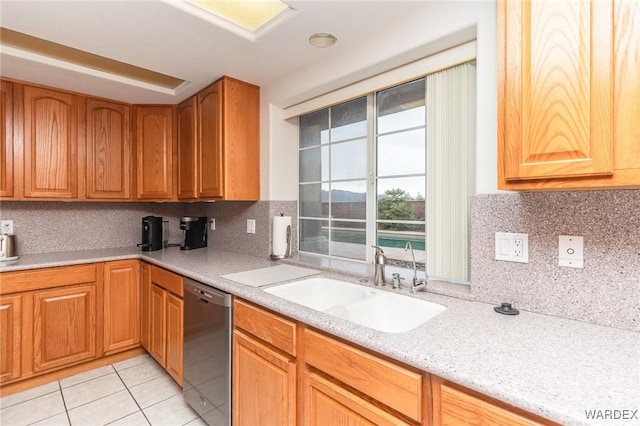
126	387
133	397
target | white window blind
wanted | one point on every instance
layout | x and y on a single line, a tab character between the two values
450	171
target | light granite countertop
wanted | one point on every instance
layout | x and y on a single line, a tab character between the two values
559	369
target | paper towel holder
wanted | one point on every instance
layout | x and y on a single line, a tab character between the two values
287	253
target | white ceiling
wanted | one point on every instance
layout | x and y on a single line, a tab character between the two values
158	36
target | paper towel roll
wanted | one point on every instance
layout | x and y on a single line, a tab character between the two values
279	243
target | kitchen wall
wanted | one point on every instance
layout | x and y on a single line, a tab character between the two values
43	227
432	29
606	291
231	224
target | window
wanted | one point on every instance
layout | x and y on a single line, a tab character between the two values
391	167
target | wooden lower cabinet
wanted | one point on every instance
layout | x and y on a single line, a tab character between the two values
162	318
264	367
360	375
327	403
145	294
10	336
174	360
264	384
285	373
121	305
64	326
454	405
157	328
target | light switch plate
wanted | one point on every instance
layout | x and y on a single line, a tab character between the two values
251	226
571	251
512	247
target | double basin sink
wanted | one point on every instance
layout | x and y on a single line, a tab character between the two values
376	309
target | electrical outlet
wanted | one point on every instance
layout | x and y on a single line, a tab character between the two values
213	223
251	226
512	247
6	227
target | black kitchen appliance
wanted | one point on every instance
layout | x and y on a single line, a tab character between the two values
195	232
151	233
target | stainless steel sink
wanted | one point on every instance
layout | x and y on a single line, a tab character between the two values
377	309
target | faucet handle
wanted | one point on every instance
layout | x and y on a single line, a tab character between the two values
397	280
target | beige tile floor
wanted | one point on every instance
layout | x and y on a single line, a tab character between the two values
133	392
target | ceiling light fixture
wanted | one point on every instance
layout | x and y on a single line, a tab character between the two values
322	40
249	15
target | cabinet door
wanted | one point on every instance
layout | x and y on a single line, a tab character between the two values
50	144
264	384
386	382
241	140
209	147
64	326
154	152
157	324
108	161
10	337
326	403
121	305
187	149
6	139
455	407
175	341
145	305
556	80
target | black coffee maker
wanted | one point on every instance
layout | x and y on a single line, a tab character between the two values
195	232
151	233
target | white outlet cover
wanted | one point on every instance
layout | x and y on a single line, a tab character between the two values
251	226
512	247
571	251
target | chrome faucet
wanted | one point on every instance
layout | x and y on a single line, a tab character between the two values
417	284
380	261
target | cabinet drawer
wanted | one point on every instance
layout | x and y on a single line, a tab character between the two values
394	386
266	326
37	279
167	280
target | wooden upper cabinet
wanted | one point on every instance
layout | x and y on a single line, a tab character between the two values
565	97
108	145
154	152
50	143
210	161
187	149
228	141
6	139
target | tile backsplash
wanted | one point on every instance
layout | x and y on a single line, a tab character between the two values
606	291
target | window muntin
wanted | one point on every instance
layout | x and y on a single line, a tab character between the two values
333	180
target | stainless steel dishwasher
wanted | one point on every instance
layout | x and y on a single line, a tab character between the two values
207	352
